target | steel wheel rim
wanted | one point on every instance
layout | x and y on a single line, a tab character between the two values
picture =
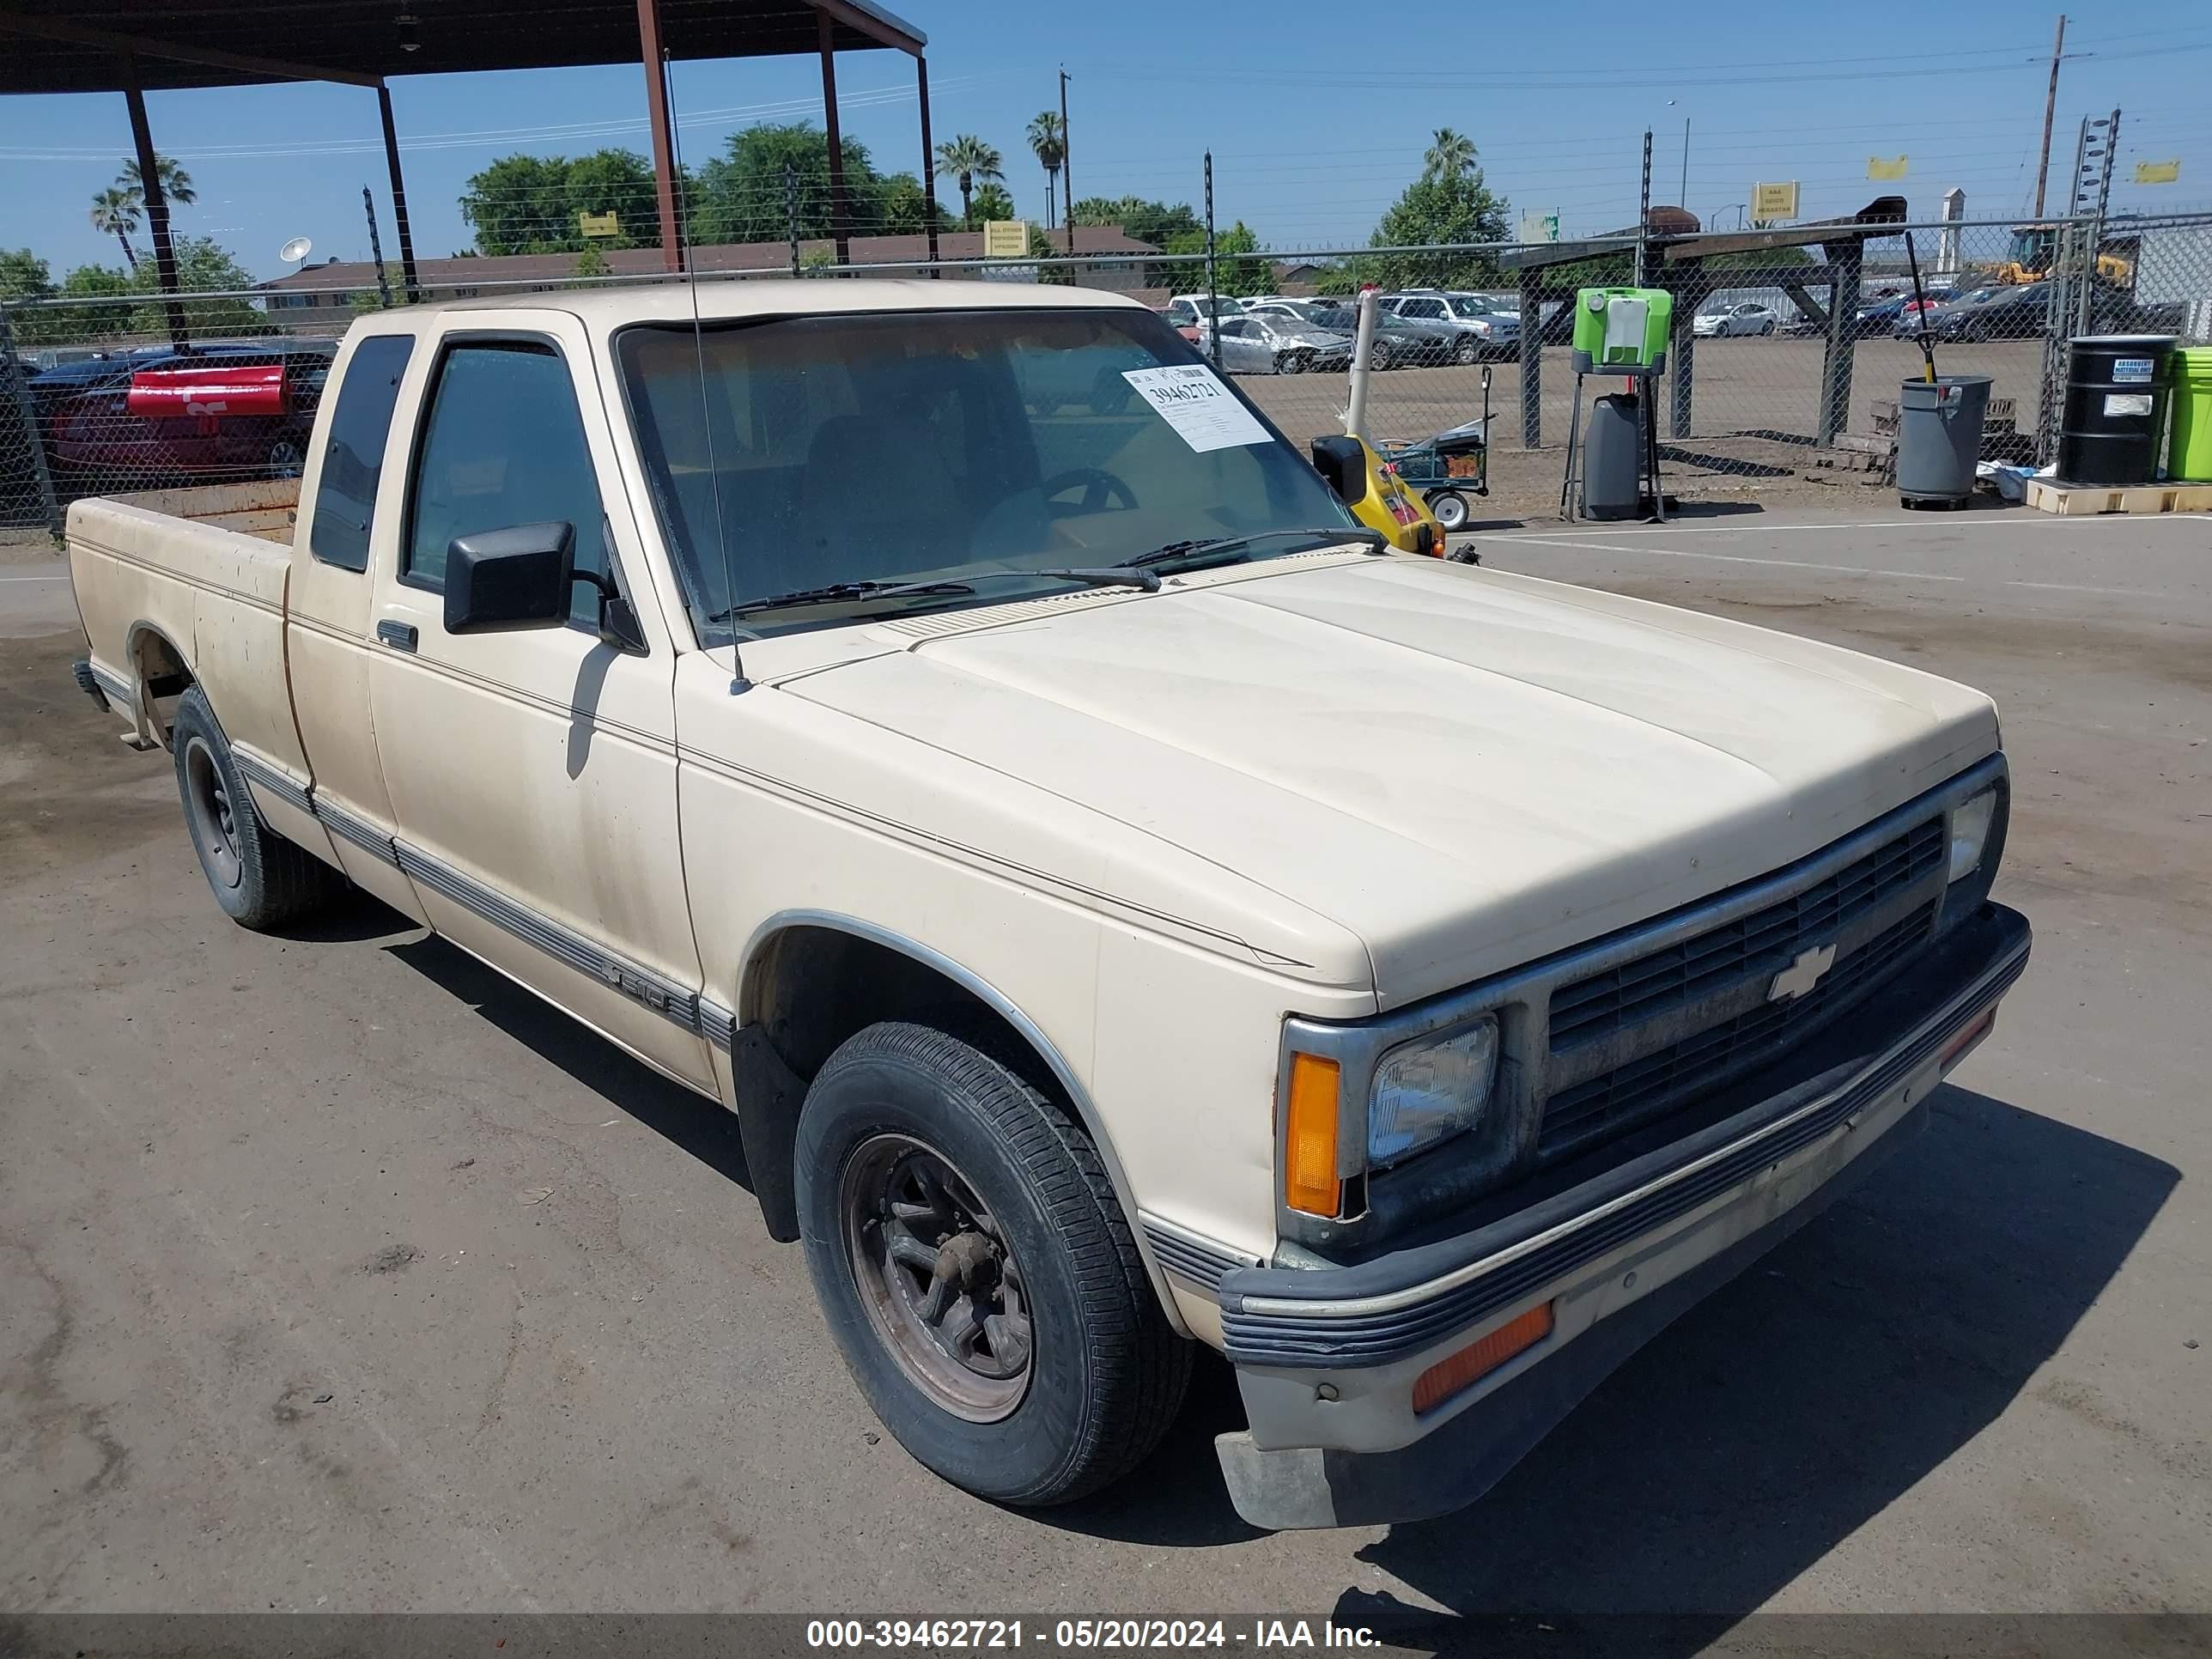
215	824
1450	511
942	1289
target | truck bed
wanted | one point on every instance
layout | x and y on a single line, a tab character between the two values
197	576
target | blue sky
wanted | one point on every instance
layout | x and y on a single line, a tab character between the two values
1318	115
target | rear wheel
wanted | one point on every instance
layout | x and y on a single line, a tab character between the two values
260	879
976	1271
1449	508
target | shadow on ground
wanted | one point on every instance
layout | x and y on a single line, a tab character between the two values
1769	1422
689	1122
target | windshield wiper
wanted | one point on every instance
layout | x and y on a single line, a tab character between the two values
1174	552
840	592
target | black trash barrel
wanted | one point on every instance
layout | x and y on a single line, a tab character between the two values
2114	409
1939	439
1612	477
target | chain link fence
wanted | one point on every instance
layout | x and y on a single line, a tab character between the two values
1787	351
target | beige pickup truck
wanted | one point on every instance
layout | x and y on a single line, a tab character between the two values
1125	907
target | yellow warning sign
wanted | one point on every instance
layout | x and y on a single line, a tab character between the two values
2157	173
599	224
1774	200
1005	239
1894	167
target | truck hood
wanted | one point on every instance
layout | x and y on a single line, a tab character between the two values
1463	768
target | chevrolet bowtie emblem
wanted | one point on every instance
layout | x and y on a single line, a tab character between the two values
1802	975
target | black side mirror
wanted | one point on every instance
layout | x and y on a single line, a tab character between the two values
1342	464
498	581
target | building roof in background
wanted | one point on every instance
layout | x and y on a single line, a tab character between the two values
488	268
70	45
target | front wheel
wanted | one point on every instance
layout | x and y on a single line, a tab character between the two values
1378	355
1449	508
1291	362
1467	350
976	1271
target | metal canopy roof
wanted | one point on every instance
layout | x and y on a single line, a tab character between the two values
75	45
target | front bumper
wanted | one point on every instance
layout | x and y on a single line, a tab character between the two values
1327	1358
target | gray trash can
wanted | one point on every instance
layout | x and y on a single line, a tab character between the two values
1939	439
1612	477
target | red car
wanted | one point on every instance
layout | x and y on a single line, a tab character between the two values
232	415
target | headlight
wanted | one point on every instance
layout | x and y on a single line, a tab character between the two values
1425	1092
1969	832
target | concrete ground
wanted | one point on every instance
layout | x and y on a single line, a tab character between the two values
337	1273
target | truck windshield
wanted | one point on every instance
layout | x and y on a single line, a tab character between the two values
793	453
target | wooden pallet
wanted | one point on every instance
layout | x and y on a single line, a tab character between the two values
2073	501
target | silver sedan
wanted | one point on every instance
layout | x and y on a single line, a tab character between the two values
1277	345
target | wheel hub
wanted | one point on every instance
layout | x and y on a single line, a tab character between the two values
938	1280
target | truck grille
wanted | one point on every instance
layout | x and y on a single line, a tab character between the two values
1597	1006
1855	907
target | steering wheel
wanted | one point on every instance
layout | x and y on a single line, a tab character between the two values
1098	485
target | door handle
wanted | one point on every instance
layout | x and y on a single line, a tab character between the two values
400	636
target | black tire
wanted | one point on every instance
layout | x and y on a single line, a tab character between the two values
260	879
1104	1374
1378	356
1466	350
1291	362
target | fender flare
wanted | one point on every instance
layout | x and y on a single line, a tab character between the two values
1000	1004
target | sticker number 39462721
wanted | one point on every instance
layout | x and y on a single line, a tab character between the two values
1191	399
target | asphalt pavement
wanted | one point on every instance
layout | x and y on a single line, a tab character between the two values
337	1272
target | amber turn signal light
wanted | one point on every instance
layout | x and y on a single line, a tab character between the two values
1480	1358
1310	1178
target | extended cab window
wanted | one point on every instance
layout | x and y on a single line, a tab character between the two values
345	501
504	444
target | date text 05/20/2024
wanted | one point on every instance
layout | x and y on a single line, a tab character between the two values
1257	1635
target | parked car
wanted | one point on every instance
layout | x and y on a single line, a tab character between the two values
1190	309
1123	908
1747	317
1477	329
96	435
2018	313
1184	322
1398	341
1270	344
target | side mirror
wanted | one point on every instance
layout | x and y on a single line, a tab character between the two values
1342	464
498	581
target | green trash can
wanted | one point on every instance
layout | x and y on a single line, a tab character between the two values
2189	448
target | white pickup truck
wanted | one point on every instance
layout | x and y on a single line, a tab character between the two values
1124	906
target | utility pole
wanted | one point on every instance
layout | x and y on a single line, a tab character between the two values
1066	174
2049	110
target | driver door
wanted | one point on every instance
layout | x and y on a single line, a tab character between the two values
532	773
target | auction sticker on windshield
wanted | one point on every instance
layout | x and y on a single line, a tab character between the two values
1197	406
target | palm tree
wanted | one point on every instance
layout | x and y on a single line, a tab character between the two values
969	160
1048	136
1452	154
176	184
115	212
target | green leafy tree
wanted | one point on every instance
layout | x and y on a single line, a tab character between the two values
1237	271
992	202
739	197
97	282
24	276
902	206
968	161
616	181
203	266
1448	203
1147	222
518	205
115	212
1048	140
